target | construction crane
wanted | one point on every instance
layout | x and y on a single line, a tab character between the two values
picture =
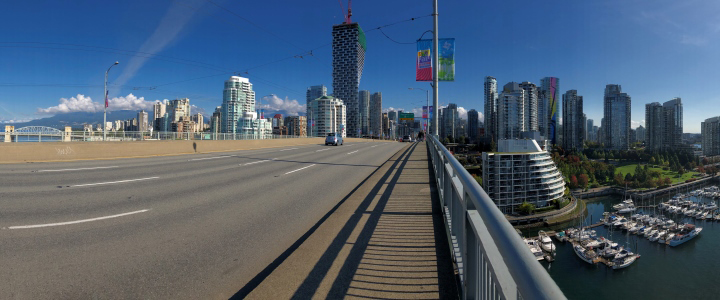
349	14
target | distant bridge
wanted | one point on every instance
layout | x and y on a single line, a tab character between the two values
43	130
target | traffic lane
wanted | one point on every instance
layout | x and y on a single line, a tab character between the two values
31	166
26	180
27	176
88	201
205	250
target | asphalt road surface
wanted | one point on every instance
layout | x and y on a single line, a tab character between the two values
178	227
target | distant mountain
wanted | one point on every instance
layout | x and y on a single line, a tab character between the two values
270	113
78	119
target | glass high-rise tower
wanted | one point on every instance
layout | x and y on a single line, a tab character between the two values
348	52
616	120
238	99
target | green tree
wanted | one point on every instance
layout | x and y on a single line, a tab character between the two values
526	208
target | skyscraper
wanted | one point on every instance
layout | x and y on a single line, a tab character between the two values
573	120
364	104
589	129
329	115
215	120
473	124
491	106
616	118
238	99
710	131
531	106
673	122
159	113
547	108
375	117
449	121
348	52
314	92
640	133
664	124
511	112
654	117
142	118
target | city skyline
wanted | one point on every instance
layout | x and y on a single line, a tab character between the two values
676	61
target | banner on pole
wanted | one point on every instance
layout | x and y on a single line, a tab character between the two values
423	70
427	112
446	60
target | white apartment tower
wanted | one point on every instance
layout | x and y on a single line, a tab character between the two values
238	99
511	112
531	106
328	115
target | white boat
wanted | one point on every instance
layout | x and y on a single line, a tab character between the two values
545	242
626	203
628	209
534	248
560	236
625	261
661	237
654	237
650	233
669	237
685	234
587	256
689	212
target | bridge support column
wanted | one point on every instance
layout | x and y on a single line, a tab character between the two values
9	130
67	136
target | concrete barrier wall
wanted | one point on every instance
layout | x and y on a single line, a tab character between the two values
58	151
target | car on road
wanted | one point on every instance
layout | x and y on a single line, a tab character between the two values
333	139
407	138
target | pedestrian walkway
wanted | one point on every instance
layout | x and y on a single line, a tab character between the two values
384	240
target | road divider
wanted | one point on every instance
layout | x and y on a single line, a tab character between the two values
78	221
293	171
112	182
78	169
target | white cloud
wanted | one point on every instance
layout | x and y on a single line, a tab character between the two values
82	103
636	124
462	112
275	103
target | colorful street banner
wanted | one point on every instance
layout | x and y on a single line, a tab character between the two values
106	99
427	112
423	70
446	60
406	116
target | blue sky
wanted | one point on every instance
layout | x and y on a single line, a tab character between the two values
51	50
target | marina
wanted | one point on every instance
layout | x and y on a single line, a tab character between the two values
589	262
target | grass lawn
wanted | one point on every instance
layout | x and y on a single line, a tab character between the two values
624	170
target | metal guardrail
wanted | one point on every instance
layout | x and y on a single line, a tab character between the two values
493	260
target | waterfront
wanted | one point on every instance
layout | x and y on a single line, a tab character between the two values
662	272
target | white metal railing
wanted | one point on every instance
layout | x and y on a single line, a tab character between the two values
493	260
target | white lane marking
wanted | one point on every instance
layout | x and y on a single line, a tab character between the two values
289	149
204	158
78	221
322	150
299	169
78	169
255	162
373	146
119	181
353	152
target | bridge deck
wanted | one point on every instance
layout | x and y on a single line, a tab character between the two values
384	240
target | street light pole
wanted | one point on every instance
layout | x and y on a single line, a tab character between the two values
435	68
104	125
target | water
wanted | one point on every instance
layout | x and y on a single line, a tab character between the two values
662	272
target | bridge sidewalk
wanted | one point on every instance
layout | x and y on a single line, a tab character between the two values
386	239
